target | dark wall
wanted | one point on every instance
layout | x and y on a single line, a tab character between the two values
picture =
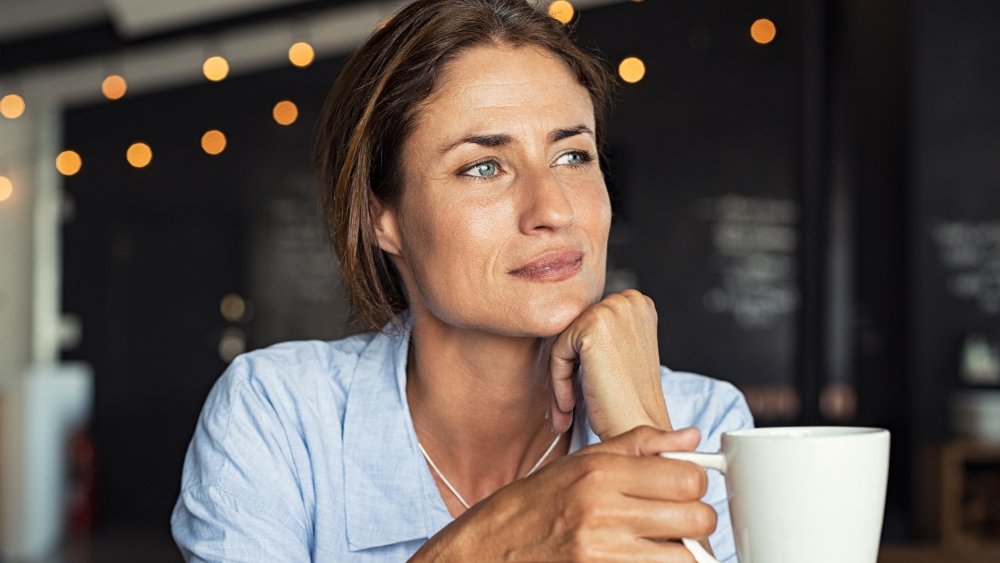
149	254
704	155
954	228
868	175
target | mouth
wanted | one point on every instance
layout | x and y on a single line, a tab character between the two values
551	267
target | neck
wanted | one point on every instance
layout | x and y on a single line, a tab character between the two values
478	403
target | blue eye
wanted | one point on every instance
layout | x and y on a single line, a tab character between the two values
574	158
486	169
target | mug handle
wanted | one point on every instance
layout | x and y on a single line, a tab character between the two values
709	461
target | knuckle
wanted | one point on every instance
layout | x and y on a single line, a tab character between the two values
594	471
590	516
615	301
579	548
600	318
702	519
694	483
633	293
645	433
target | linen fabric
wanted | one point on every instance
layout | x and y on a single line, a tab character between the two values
305	451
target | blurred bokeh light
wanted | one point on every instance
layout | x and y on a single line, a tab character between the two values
285	112
139	155
763	31
631	69
68	163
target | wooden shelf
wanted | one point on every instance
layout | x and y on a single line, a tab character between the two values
960	494
937	554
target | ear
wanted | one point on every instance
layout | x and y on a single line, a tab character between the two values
386	222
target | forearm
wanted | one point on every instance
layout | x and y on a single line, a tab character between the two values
465	539
448	545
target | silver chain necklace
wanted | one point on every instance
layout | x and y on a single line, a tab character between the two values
452	488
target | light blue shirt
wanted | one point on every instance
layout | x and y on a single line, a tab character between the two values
305	451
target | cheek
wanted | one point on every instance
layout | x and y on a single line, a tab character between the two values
458	236
596	210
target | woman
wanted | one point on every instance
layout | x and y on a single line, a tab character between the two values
505	410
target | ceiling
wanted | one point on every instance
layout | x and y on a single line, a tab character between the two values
36	32
20	19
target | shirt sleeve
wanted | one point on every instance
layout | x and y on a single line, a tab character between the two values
725	410
240	499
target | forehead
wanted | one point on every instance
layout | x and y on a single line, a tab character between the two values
501	86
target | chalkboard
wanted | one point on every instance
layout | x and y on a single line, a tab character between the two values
703	175
955	208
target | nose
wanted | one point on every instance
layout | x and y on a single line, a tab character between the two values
546	205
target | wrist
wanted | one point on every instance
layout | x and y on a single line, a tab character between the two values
653	415
461	540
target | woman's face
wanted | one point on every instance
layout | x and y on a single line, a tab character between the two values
503	220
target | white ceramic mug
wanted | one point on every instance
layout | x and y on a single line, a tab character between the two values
798	494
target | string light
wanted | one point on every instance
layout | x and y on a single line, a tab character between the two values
114	86
139	155
301	54
285	112
561	10
232	344
763	31
213	142
6	188
631	69
233	307
12	106
215	68
68	163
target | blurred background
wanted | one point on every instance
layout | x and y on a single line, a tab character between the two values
808	189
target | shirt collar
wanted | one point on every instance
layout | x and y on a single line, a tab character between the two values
389	495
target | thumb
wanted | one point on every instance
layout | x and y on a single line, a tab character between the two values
647	441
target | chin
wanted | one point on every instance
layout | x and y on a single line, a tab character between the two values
550	319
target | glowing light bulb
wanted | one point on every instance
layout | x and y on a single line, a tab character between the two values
561	10
233	307
6	188
631	69
213	142
114	87
285	112
139	155
215	68
12	106
763	31
301	54
68	163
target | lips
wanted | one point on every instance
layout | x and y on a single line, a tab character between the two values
551	266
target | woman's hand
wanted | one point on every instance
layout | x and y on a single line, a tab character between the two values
616	500
615	344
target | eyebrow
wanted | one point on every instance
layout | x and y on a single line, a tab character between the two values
502	139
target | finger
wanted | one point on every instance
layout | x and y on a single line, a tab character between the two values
562	368
644	549
560	420
662	551
605	545
647	478
658	520
649	441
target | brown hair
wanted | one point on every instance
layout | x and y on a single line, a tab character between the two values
370	111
